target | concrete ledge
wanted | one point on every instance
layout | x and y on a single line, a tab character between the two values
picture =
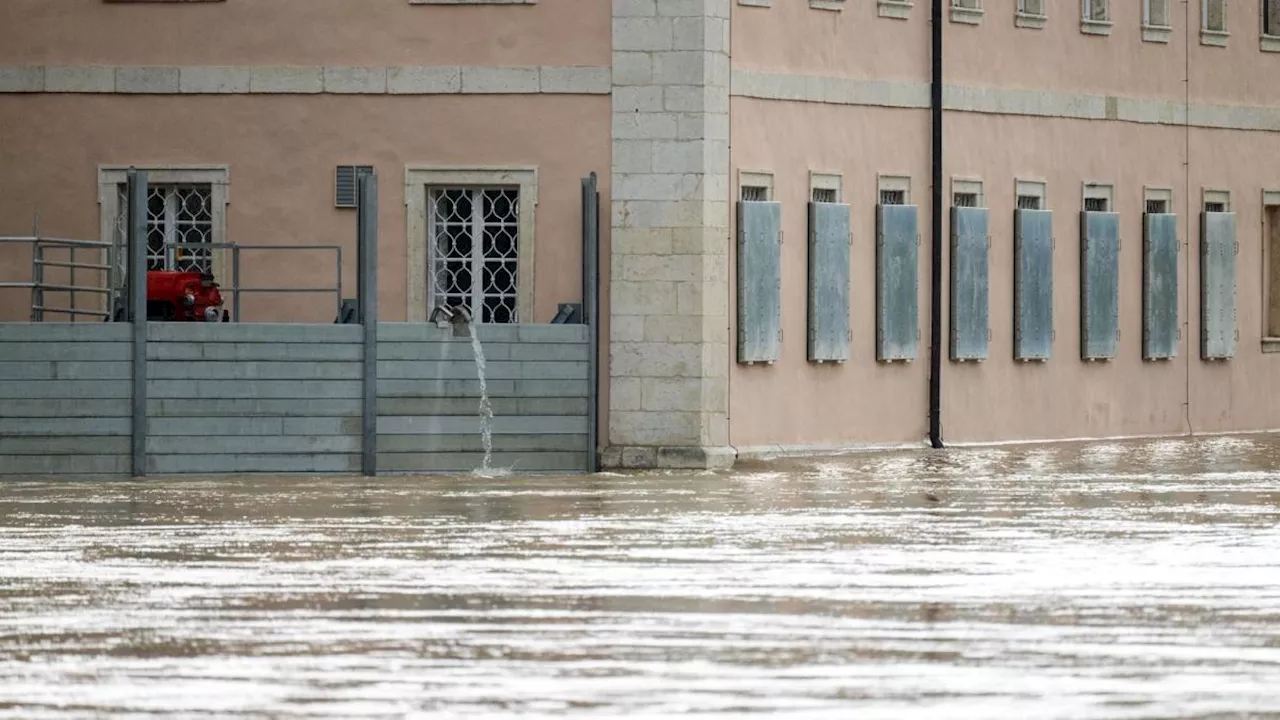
306	80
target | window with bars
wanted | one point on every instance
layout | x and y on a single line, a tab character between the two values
1095	204
1031	7
1028	202
474	258
1097	10
179	218
825	195
1213	15
1155	13
893	197
1157	206
965	199
967	4
755	193
1215	207
1271	17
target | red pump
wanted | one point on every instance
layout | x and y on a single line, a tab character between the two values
174	296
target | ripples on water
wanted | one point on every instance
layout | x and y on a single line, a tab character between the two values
1119	580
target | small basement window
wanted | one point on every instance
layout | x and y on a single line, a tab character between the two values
1028	202
1095	204
1097	198
1217	201
1158	201
825	187
893	197
755	186
825	195
755	193
1029	194
894	190
1157	207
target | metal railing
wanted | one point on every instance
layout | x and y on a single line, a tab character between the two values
236	290
40	260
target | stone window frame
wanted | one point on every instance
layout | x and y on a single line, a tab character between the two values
968	185
1268	42
419	179
1270	204
831	181
1159	193
1028	187
1095	26
756	3
1091	190
967	12
894	9
1156	33
1032	21
1214	38
836	5
892	182
756	178
1215	195
218	177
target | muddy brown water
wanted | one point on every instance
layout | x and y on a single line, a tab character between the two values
1115	580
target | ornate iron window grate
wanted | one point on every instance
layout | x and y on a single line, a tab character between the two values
474	259
965	200
824	195
176	214
1028	202
1157	207
893	197
755	193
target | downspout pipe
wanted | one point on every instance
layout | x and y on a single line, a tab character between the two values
935	217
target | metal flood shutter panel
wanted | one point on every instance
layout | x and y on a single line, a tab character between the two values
828	282
969	311
1099	285
1033	285
759	281
1160	287
1218	286
897	268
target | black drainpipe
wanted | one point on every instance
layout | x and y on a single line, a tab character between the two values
935	267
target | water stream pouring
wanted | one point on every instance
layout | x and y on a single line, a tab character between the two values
463	326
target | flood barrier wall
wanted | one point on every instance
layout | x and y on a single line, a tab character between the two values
265	398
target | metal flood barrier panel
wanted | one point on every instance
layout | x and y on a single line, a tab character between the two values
970	326
536	377
1099	285
1160	286
65	399
288	398
1033	285
759	281
829	247
228	398
897	283
1218	286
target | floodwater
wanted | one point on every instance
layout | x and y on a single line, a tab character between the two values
1119	580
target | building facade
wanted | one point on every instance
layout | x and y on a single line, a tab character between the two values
1110	178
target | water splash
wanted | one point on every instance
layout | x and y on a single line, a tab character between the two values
486	408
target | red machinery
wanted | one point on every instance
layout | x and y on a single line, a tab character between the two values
174	296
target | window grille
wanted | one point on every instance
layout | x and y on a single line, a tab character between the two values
1271	17
1097	10
967	4
1031	7
755	193
474	240
1095	204
1155	13
825	195
1028	202
893	197
1214	15
1215	207
176	214
965	199
1157	207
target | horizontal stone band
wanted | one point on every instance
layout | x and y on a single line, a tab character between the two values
291	80
1000	101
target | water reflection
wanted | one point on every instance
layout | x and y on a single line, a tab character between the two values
1119	580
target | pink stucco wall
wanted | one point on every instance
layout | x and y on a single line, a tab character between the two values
304	32
281	151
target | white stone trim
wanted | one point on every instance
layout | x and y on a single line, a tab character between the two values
756	3
418	178
1269	43
895	9
1270	198
1156	33
836	5
1029	21
305	80
1095	27
1001	101
218	177
1214	38
966	15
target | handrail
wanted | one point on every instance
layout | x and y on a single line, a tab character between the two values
56	242
39	244
237	290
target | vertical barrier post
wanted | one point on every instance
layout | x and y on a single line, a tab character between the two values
590	310
367	294
137	312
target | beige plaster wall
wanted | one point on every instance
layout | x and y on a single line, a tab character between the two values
281	151
303	32
794	401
